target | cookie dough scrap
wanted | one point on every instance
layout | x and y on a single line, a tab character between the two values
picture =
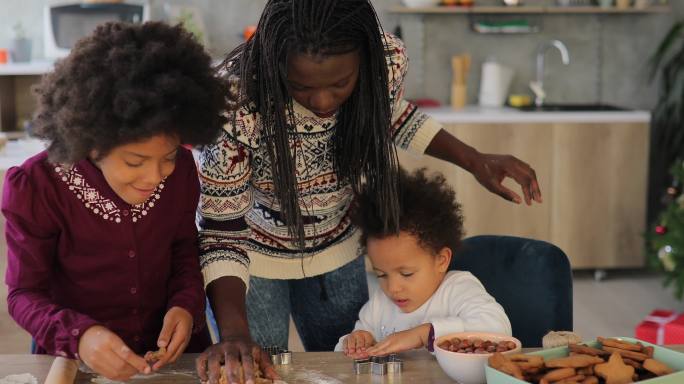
258	376
153	357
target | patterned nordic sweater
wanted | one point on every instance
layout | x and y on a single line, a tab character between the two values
240	229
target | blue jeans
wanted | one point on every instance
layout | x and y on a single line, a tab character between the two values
323	307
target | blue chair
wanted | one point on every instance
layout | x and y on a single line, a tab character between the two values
531	279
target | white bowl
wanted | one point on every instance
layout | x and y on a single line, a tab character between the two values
421	3
469	368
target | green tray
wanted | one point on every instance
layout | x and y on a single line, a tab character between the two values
673	359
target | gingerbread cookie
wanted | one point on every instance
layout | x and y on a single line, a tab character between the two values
500	362
648	351
587	371
657	367
587	350
558	374
571	380
575	361
528	363
638	356
615	371
615	343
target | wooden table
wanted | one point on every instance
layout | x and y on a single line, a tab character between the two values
306	367
310	367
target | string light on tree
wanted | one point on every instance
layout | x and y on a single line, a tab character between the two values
666	258
665	241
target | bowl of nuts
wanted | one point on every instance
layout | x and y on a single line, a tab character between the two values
463	355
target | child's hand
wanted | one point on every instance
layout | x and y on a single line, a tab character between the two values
401	341
105	353
174	336
355	344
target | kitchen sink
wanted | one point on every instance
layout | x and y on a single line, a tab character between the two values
571	108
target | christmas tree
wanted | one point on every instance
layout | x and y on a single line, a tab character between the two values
665	244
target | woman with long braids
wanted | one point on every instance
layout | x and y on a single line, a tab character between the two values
318	112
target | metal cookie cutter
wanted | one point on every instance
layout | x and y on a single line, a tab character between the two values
379	365
278	355
362	366
394	364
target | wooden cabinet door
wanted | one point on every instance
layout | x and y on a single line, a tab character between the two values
486	213
593	181
599	193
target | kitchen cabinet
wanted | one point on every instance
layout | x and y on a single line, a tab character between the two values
16	100
593	178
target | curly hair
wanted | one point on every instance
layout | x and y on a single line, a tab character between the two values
125	83
427	209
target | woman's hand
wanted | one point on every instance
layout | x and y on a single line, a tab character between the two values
401	341
105	353
356	343
174	336
491	170
234	351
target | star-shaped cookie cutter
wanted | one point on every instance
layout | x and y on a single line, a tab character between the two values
379	365
278	355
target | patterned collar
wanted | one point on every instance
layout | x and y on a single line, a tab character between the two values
100	205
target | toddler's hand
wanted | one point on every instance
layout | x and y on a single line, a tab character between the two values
401	341
105	353
355	344
174	336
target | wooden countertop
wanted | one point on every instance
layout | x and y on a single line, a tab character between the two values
306	367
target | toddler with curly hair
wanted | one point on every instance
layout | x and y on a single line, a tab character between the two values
102	242
419	298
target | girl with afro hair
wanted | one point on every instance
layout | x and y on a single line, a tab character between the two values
102	243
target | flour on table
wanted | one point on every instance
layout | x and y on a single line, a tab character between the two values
24	378
317	377
141	378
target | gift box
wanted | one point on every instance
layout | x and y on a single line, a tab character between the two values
662	327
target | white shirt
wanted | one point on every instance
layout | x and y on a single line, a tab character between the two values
459	304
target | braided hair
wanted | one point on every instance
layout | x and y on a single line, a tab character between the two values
364	153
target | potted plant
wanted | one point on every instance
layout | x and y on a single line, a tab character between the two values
21	45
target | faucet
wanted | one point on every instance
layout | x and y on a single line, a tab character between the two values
538	85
